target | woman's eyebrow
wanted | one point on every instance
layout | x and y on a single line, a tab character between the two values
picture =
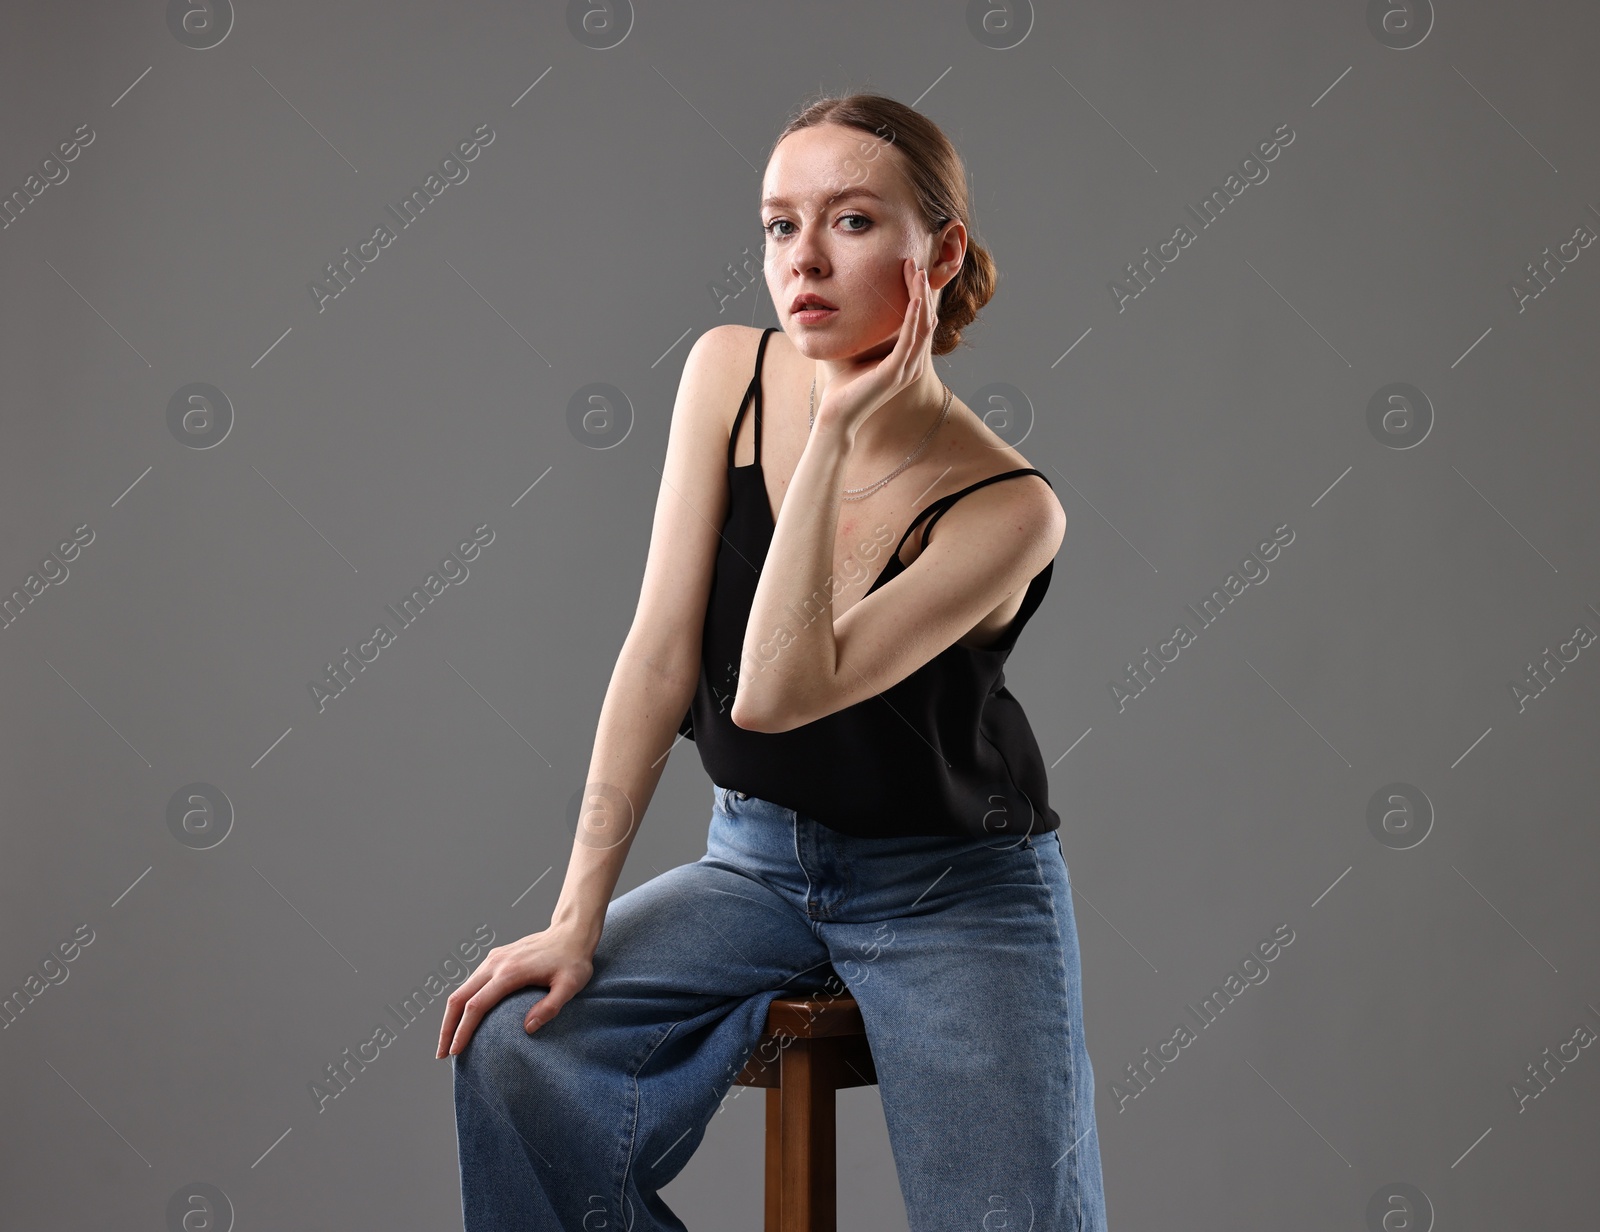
774	202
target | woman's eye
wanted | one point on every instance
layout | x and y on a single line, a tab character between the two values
784	222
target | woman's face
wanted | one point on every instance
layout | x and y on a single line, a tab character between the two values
840	222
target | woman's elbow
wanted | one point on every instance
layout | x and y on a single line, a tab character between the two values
745	717
749	717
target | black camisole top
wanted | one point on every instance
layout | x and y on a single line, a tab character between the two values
946	751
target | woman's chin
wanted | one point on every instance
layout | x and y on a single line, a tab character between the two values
837	341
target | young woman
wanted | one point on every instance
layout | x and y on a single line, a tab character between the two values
879	806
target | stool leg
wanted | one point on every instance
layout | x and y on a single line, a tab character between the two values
773	1221
809	1147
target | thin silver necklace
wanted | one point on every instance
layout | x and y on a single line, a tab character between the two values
855	494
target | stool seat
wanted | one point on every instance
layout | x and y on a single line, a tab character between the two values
814	1044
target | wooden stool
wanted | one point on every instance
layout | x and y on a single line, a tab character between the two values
814	1045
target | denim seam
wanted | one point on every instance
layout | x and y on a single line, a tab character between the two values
1072	1075
806	872
759	880
633	1132
757	902
791	979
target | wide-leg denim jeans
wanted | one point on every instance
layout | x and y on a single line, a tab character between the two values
962	954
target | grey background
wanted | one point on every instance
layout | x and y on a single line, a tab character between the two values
430	397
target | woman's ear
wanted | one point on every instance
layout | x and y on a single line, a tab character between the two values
948	255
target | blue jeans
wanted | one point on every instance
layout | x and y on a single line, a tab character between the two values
962	954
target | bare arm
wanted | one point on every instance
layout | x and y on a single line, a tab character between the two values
792	676
651	686
792	671
638	725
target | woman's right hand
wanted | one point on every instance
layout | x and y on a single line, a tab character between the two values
557	959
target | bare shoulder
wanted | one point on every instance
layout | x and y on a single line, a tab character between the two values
1028	500
724	358
1025	506
690	505
1021	511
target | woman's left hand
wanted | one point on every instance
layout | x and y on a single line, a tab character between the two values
850	401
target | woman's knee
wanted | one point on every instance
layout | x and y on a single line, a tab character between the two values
500	1042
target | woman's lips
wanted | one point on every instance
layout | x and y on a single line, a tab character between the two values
810	316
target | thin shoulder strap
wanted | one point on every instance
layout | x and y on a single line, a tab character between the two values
938	507
752	391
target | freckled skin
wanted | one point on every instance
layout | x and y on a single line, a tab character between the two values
852	252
